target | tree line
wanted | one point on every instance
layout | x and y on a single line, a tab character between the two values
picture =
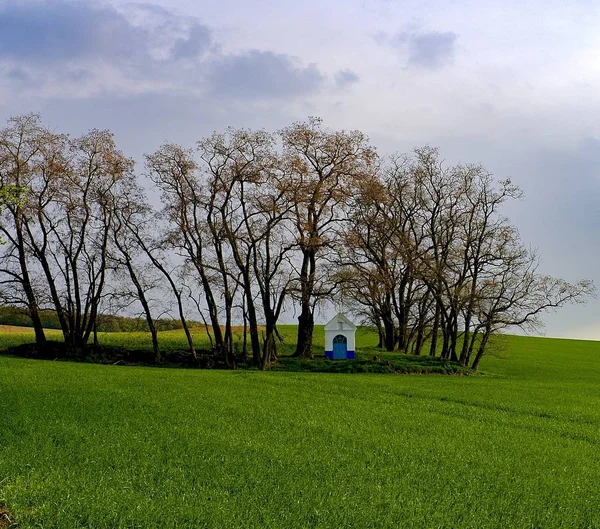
19	316
251	224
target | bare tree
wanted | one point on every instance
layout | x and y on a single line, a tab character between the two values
320	165
73	232
30	158
174	172
129	210
248	192
512	293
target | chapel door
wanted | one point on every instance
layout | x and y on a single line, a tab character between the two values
340	347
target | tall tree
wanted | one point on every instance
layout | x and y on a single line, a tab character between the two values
131	210
235	162
320	165
175	173
248	191
512	293
72	237
31	157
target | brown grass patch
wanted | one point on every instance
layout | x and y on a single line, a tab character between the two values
240	328
6	520
234	328
15	328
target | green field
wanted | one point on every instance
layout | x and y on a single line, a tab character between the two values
94	446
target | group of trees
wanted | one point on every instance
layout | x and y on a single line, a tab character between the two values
429	258
252	223
15	315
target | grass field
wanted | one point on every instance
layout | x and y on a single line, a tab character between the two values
84	445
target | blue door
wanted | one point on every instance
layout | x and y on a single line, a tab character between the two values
340	347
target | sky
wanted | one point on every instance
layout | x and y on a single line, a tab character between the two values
509	84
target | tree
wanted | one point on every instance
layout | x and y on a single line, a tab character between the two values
72	236
320	165
139	223
131	212
30	158
427	250
236	162
513	294
368	258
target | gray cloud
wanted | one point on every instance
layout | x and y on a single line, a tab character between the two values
430	50
90	47
263	74
63	30
196	43
19	74
53	30
590	147
345	77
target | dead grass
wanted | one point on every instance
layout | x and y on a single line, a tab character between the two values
6	521
234	328
15	328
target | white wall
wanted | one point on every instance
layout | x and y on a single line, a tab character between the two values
331	334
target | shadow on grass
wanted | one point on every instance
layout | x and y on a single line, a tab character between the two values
114	355
369	360
400	364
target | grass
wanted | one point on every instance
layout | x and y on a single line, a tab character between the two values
174	347
93	446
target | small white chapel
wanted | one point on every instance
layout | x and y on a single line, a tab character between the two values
340	338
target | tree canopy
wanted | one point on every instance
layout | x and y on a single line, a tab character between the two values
252	224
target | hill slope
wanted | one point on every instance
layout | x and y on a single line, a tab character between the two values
112	447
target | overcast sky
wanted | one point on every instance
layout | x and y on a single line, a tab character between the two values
513	85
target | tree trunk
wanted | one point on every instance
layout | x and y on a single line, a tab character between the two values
419	340
270	347
252	323
380	336
389	334
306	322
147	313
464	354
472	341
434	332
95	333
403	313
32	306
306	327
453	343
213	311
186	329
481	350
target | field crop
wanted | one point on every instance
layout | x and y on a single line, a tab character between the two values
93	446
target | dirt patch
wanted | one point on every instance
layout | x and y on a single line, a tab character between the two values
6	521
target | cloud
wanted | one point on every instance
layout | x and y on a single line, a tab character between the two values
590	148
194	45
263	74
345	77
54	30
68	42
85	48
18	74
61	30
430	50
